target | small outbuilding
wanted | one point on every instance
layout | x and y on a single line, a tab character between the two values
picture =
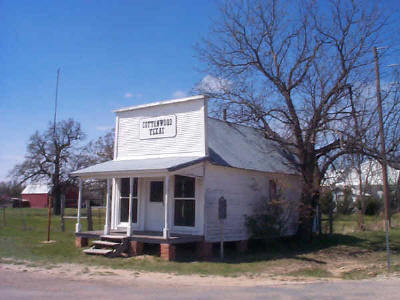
37	194
180	176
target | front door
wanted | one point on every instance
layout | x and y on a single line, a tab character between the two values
154	218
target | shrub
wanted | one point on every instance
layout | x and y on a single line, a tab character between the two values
326	202
271	219
345	205
372	206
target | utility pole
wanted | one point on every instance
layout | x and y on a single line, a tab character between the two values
382	154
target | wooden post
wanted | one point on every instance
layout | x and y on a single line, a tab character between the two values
129	228
330	215
62	213
108	208
221	229
49	218
222	211
78	226
89	215
166	206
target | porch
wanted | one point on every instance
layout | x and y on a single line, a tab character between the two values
148	237
150	201
117	243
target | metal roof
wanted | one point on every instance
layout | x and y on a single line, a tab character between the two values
244	147
164	102
230	145
37	188
139	165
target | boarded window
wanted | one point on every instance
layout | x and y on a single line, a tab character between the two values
185	205
124	200
272	190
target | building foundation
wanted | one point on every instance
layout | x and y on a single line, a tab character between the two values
242	246
135	248
204	250
81	242
167	252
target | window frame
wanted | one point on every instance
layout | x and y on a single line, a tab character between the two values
134	198
162	194
185	199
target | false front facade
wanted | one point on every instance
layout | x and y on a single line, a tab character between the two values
172	165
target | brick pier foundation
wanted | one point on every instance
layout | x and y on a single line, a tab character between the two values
81	242
135	248
167	252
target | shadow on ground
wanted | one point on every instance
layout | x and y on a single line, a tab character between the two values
293	248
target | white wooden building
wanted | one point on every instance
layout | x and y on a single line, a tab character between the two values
371	179
172	163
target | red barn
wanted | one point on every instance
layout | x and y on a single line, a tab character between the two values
36	194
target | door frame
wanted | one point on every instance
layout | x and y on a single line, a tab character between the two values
124	225
146	200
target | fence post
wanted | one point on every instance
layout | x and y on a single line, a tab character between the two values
62	212
4	216
89	215
49	218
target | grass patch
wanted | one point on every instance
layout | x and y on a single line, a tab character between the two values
311	272
356	275
21	242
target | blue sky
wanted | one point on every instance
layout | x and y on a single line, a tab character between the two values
111	54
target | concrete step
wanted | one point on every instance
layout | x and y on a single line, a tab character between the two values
105	244
98	251
110	237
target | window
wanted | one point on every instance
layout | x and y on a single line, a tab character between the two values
184	196
272	190
124	200
156	191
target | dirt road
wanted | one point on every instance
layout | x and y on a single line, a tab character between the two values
21	282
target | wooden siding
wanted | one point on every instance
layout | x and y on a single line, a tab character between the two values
244	191
189	140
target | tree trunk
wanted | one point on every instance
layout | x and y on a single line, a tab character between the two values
306	214
309	200
57	201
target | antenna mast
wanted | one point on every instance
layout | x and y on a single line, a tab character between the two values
55	104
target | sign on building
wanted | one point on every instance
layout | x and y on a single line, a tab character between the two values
221	208
158	127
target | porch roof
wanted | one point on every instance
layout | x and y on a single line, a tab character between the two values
115	167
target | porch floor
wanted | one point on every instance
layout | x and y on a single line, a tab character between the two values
149	237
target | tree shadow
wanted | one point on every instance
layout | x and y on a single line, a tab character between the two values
272	249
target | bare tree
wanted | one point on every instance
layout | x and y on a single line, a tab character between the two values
49	155
285	67
95	152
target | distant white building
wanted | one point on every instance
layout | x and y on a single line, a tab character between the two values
371	177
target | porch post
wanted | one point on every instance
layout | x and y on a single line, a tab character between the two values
129	228
108	205
78	226
166	206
